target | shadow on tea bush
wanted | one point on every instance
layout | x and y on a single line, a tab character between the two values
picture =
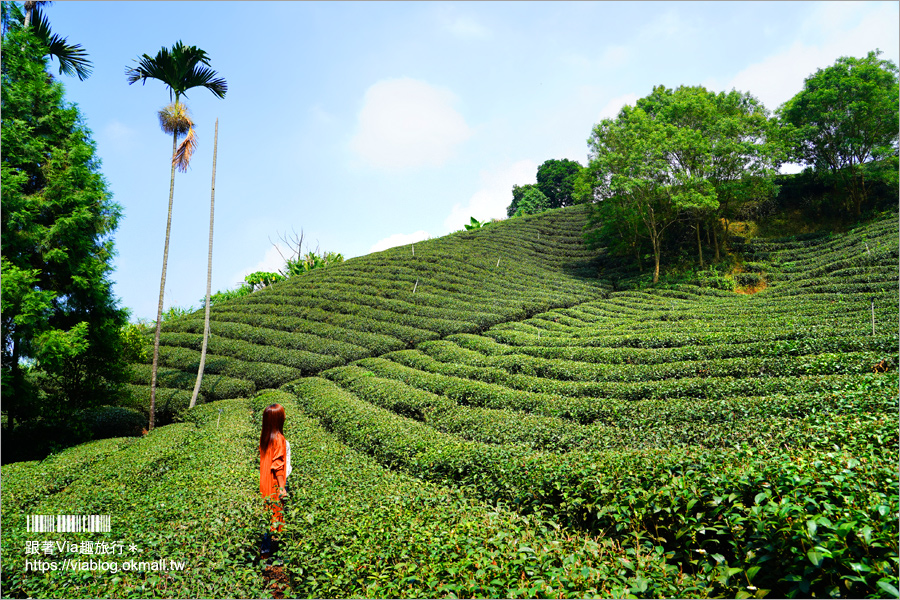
112	421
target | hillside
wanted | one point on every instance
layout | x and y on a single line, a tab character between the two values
468	427
382	302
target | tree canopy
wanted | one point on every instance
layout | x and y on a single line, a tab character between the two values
60	318
846	115
679	154
532	202
556	180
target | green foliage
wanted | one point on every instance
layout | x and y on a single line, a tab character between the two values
224	296
684	154
474	224
518	192
533	201
845	116
59	311
311	261
260	279
556	180
136	346
73	58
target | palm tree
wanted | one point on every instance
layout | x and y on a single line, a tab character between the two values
180	69
73	58
212	212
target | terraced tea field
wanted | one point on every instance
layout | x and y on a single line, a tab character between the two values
371	305
474	416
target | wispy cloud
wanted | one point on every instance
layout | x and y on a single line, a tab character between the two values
406	123
271	262
119	136
835	29
466	27
494	195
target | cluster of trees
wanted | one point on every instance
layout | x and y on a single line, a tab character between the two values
557	185
691	157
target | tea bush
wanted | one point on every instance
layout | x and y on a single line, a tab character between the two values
439	543
184	492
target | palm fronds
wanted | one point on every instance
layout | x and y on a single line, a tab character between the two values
185	151
73	58
175	118
181	68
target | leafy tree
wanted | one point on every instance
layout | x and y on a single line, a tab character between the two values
261	279
518	192
179	69
556	179
59	316
311	261
533	202
629	157
845	116
721	151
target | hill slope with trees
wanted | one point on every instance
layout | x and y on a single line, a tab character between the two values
678	439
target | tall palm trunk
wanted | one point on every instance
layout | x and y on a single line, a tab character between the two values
162	287
29	9
212	209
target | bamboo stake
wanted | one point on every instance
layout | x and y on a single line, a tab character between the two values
212	206
873	316
415	286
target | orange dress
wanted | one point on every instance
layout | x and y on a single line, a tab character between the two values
271	477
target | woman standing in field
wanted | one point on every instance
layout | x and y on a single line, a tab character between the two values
273	465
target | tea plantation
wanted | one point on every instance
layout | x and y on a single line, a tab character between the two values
481	416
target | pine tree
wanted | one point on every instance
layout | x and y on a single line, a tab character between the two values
60	321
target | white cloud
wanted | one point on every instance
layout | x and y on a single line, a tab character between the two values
272	262
777	78
466	27
495	194
408	123
399	239
118	135
611	109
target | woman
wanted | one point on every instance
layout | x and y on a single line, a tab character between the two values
272	469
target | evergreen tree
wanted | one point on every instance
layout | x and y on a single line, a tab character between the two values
60	320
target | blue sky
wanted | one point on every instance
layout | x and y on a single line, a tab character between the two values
369	125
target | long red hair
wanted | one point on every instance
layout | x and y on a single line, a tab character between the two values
272	425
